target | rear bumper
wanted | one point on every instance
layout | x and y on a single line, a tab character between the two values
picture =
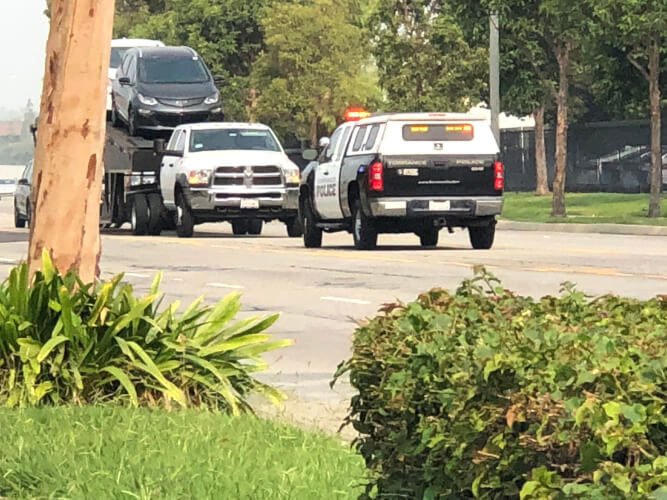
482	206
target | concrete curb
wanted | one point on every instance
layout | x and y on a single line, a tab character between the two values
584	228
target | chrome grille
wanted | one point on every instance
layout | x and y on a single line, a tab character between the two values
182	103
249	176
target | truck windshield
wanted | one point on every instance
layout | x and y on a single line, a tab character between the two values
116	57
232	139
172	70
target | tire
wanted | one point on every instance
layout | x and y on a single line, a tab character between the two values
131	123
255	226
312	235
240	227
154	214
294	229
115	119
139	216
364	233
19	222
429	237
185	221
481	237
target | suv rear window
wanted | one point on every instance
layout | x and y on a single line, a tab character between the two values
438	132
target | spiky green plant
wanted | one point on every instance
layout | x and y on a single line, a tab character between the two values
67	342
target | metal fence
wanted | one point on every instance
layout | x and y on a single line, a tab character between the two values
602	157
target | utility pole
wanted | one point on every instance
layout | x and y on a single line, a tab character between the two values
67	179
494	74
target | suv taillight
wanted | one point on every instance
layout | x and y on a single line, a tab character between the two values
376	176
498	176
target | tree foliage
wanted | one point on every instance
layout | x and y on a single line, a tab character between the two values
315	65
424	61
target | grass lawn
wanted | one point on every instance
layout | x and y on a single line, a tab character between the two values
100	453
588	208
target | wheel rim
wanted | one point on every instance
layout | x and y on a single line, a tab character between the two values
357	225
133	217
179	215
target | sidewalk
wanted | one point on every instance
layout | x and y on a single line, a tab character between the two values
631	229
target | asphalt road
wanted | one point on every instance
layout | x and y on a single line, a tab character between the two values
321	293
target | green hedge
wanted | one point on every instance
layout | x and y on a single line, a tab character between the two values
491	395
66	342
126	453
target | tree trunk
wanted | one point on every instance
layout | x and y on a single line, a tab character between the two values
313	132
540	153
70	139
656	148
558	202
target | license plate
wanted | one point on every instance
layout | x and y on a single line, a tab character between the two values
250	204
439	206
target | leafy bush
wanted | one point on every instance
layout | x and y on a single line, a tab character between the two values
63	341
123	453
491	395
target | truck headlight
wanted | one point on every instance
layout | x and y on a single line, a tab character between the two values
199	177
292	175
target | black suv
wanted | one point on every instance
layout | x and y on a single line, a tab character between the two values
159	88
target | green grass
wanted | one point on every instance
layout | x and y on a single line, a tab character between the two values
587	208
100	453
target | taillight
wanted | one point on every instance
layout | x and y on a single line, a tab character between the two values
498	176
376	176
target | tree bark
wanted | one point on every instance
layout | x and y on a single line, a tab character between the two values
70	139
540	153
562	96
656	148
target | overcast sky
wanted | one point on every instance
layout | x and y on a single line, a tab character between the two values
23	33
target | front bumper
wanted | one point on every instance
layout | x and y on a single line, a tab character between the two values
482	206
167	118
225	200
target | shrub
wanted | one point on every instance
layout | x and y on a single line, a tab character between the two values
63	341
491	395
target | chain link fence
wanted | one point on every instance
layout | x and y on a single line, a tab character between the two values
602	157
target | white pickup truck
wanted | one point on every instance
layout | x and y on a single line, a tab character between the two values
236	172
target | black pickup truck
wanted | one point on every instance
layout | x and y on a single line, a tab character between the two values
404	173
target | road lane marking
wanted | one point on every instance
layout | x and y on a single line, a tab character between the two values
225	285
137	275
9	261
348	301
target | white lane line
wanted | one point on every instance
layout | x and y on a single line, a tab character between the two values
177	279
9	261
225	285
137	275
349	301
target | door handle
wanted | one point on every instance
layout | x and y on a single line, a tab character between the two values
171	164
326	172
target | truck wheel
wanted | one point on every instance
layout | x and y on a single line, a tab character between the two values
139	215
240	227
481	237
255	226
365	234
185	221
312	235
429	237
154	214
18	220
294	229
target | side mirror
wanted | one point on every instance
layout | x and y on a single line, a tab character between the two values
158	146
218	79
324	142
309	154
123	80
171	152
23	182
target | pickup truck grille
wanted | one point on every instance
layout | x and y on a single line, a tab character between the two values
265	176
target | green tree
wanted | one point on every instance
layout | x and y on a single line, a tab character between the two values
639	29
423	59
226	33
315	65
548	35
